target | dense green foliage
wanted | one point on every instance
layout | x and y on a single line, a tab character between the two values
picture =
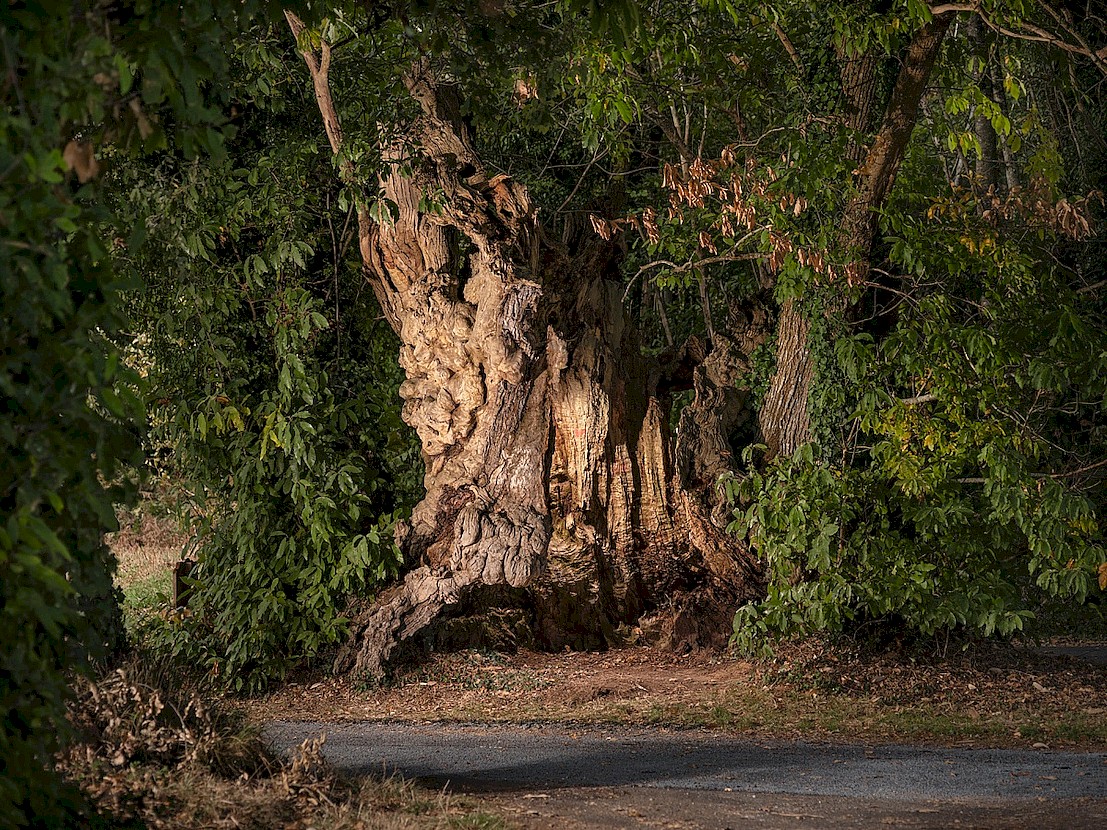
64	391
957	404
271	379
966	486
955	473
75	79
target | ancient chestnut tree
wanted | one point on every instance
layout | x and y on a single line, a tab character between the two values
559	475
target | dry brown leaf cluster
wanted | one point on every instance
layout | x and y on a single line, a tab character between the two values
1035	205
742	194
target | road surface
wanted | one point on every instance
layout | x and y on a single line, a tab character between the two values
559	776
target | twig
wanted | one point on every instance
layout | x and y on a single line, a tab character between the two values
659	299
1068	474
695	263
1031	32
927	398
595	158
1080	471
705	302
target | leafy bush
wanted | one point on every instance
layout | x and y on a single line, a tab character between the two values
65	399
849	546
839	549
967	492
69	103
271	379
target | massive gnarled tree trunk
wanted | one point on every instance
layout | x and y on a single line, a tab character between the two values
550	470
551	474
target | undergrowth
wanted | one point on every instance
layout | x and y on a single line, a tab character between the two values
151	752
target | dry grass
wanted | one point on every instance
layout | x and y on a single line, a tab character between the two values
146	757
154	752
989	696
146	546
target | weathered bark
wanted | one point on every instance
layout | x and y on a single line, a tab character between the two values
784	419
859	75
881	165
987	161
545	430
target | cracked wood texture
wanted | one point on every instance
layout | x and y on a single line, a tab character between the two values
545	430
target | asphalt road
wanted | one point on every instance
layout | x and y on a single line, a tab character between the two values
499	759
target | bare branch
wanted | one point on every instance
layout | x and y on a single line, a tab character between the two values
927	398
691	264
1068	474
1080	471
319	67
786	42
1073	42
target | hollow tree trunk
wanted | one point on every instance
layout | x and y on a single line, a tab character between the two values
545	430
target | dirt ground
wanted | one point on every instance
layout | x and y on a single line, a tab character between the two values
988	696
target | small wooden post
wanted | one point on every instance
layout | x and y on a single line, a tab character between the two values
181	589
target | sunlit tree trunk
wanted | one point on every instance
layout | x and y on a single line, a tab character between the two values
550	474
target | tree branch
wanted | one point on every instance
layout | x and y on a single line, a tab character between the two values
878	170
927	398
1031	32
786	42
319	69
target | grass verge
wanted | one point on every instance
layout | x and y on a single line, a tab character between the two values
989	695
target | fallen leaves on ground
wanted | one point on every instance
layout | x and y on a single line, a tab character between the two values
148	757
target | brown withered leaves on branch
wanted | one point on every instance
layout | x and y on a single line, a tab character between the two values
743	198
1034	205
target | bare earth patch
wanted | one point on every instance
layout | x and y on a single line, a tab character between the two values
991	696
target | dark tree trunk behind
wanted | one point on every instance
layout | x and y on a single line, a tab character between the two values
784	419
